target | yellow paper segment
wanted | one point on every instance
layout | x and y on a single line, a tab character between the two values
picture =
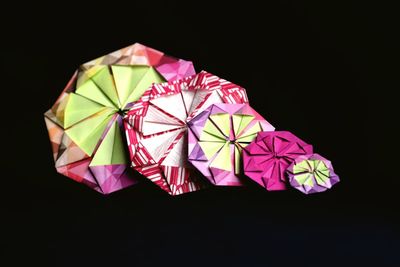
87	133
223	159
111	150
210	148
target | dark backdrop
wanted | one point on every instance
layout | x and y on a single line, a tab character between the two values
314	69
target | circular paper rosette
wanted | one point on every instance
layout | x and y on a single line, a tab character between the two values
217	137
85	123
156	128
266	159
311	174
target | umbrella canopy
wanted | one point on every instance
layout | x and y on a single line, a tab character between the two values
85	123
156	128
311	173
217	137
266	159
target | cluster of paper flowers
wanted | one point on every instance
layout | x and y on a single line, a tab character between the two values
140	109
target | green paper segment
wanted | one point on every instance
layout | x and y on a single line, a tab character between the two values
322	173
104	80
305	179
223	159
210	148
223	121
238	156
240	122
211	133
80	108
91	91
87	133
111	150
250	134
150	77
126	79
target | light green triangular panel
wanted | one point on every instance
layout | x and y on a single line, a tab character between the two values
79	108
105	82
87	133
111	149
320	178
211	133
223	122
323	169
250	134
302	166
151	76
223	159
90	90
86	74
312	164
127	78
210	148
238	154
211	138
240	121
304	179
323	173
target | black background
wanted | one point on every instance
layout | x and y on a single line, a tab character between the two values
320	70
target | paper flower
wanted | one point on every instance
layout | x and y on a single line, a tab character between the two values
217	137
85	123
311	174
266	159
156	128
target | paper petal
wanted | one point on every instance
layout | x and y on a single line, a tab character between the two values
269	155
311	173
85	124
169	107
220	145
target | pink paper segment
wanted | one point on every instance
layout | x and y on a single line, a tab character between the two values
266	159
156	128
70	159
312	173
201	139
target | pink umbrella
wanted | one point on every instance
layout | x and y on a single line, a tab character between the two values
217	137
312	173
156	128
268	156
85	123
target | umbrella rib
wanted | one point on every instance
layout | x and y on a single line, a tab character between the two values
161	133
217	127
184	104
90	117
125	103
98	86
95	100
190	110
115	85
168	114
101	91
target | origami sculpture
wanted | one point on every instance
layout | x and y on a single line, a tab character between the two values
311	174
85	123
266	159
156	127
217	137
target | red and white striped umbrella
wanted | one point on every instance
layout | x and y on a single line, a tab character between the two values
156	128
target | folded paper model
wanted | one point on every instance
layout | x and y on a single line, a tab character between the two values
156	128
137	107
312	173
216	139
85	124
266	159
